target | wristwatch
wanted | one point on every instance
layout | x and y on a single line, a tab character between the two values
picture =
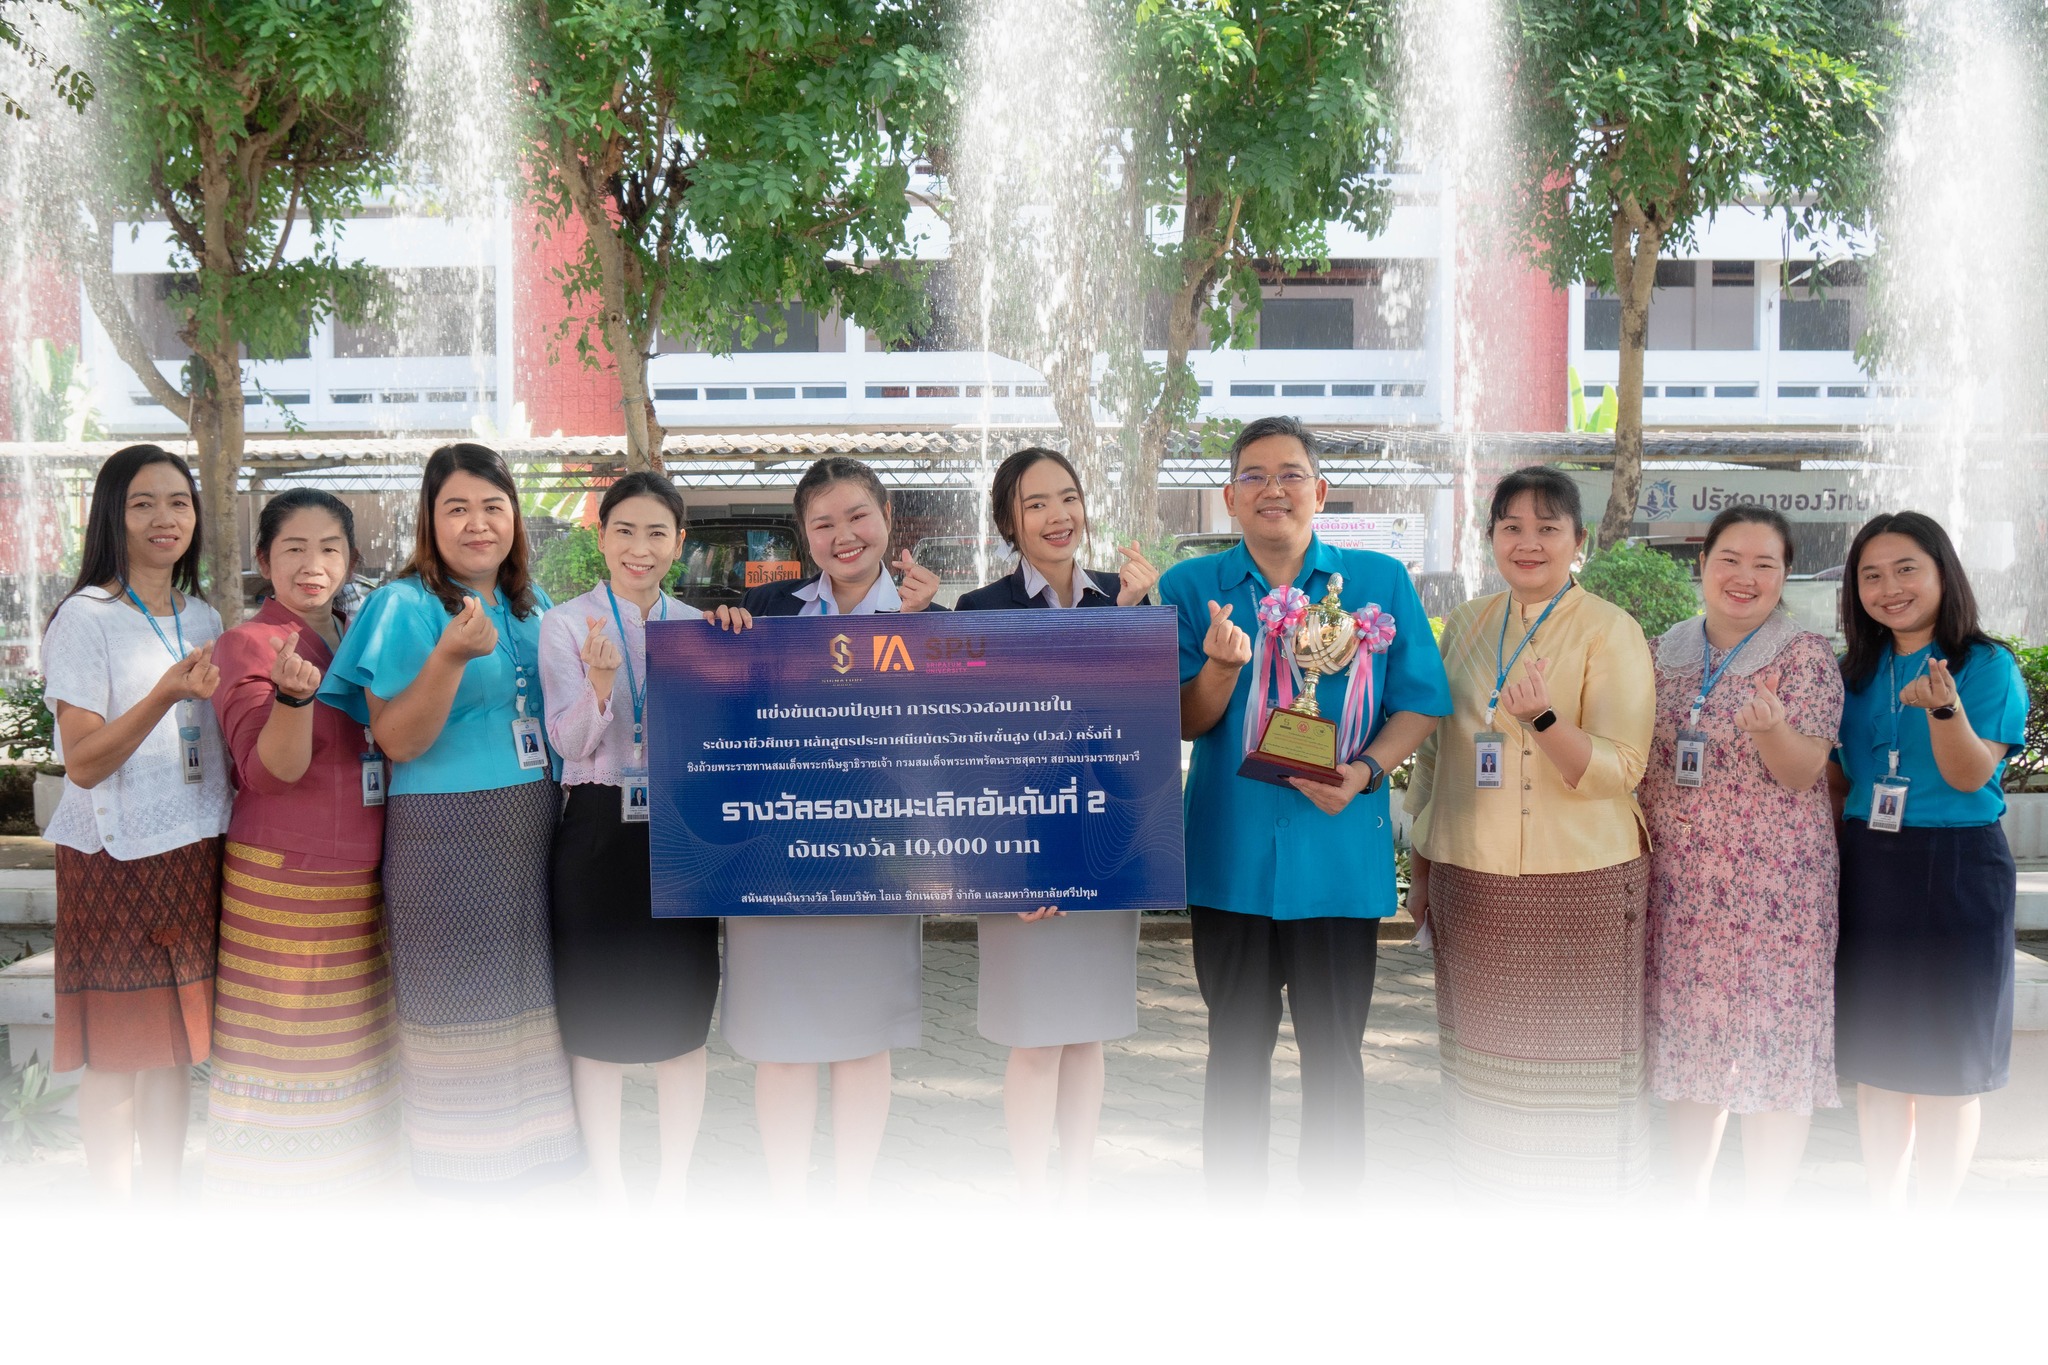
1947	712
1544	721
1379	774
286	699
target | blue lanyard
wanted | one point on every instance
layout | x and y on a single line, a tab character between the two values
1507	611
177	624
633	686
508	642
1892	664
1713	676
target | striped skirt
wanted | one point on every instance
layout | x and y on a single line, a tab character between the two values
487	1102
1540	1023
304	1094
135	943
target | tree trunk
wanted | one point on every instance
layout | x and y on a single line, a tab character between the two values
1635	241
1184	313
217	431
643	433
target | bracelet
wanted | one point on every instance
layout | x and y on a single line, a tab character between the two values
294	702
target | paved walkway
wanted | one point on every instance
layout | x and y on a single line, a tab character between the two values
946	1149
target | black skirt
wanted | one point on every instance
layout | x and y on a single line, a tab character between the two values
1924	971
628	987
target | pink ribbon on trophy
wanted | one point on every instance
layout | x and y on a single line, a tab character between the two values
1273	667
1375	636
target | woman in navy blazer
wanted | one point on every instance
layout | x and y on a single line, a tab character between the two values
1055	986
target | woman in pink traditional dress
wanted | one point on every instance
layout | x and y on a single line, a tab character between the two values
1742	887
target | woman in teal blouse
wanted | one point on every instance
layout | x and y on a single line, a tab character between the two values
442	667
1924	970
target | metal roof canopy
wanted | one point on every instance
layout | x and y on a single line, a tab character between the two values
949	458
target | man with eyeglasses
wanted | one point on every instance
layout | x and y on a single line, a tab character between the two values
1286	887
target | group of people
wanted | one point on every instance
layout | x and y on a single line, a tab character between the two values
388	868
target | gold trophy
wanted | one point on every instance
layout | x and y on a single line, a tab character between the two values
1298	740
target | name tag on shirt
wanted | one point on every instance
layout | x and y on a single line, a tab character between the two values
633	798
1489	749
1888	804
188	743
1689	768
373	779
528	744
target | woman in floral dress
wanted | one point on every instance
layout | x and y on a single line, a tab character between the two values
1740	1005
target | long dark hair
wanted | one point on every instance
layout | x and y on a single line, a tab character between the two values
1004	502
279	510
104	558
1956	628
515	584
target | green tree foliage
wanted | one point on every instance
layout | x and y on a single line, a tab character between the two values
19	25
2030	760
724	157
250	127
1259	121
1640	118
1647	584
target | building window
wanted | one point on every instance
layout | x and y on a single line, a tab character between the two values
1823	308
440	312
1251	390
1351	390
1301	390
1603	321
1305	324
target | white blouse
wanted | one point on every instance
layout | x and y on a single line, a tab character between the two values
103	656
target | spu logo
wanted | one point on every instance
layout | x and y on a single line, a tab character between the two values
842	653
892	655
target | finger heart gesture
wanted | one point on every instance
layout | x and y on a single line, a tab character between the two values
1529	698
600	655
1934	688
1135	576
1764	711
1226	641
918	585
290	674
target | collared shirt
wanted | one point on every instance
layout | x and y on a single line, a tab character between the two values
818	599
1994	698
322	814
1038	585
1600	679
1258	849
383	652
595	743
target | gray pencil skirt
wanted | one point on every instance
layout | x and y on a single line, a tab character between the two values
822	988
1069	979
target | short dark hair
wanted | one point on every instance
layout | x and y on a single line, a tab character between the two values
643	483
1003	489
1956	627
279	510
104	557
515	581
1553	490
1751	514
1260	429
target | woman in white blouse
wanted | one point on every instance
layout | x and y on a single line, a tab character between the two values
629	988
128	662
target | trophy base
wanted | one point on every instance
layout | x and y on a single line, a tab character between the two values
1294	746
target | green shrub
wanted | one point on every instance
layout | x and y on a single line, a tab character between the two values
573	564
2032	759
28	732
1647	584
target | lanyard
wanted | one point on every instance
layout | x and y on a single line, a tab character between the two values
509	643
177	624
1713	675
1892	662
639	693
1501	670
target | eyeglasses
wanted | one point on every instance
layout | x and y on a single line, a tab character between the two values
1251	481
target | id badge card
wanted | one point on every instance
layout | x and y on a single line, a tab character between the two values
1489	757
1689	768
528	744
1888	804
188	743
633	797
373	779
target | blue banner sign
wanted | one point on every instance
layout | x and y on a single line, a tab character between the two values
929	763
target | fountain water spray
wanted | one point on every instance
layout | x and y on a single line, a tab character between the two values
1962	289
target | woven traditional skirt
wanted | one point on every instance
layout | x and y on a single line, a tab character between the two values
135	958
487	1102
1540	1021
303	1100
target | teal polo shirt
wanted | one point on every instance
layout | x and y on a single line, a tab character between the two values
1258	849
1994	697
